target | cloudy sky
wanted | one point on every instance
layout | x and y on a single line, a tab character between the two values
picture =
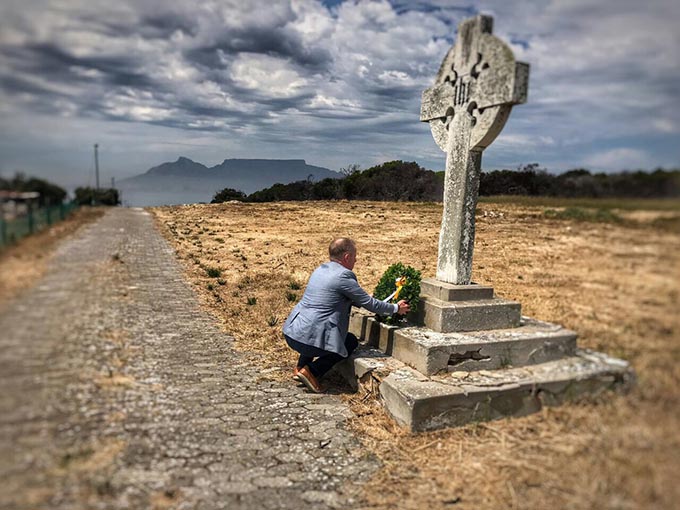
333	82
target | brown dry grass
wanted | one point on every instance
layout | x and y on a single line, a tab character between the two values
616	284
22	264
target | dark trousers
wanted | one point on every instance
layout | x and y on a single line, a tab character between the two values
325	360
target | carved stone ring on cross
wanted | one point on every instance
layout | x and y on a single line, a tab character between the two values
479	75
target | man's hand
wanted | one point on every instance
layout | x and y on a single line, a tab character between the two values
404	307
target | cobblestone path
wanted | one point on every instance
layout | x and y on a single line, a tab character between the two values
117	391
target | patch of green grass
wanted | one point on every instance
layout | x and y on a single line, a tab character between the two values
581	214
272	321
628	204
251	301
293	285
210	286
213	272
291	296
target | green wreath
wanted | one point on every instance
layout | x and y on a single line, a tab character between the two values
410	291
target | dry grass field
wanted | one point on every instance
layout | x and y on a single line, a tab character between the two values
616	283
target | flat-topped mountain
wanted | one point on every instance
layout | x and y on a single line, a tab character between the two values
186	181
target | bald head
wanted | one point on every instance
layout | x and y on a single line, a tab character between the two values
340	246
344	251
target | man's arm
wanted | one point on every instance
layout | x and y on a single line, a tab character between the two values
351	289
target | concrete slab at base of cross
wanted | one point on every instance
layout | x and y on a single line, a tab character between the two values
367	329
446	307
433	380
366	368
431	352
464	397
532	342
451	292
475	315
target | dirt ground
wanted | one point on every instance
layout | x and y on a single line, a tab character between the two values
616	284
23	263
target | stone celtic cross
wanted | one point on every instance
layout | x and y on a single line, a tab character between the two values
475	89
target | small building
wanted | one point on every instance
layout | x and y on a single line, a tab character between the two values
15	204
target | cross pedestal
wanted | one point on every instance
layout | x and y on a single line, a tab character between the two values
447	308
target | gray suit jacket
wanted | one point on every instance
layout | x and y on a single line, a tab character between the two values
321	318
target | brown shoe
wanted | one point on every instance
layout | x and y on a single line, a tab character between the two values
296	374
305	375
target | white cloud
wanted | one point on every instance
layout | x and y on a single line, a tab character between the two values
136	106
267	75
261	73
618	159
312	21
522	141
665	126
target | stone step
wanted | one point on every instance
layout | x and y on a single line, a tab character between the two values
451	292
430	352
419	403
367	367
471	315
366	328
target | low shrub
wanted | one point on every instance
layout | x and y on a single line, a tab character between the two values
213	272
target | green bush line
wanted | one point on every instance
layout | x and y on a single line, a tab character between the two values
626	204
408	181
580	214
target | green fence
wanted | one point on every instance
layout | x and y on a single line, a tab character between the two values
36	219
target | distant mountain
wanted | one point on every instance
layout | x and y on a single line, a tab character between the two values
185	181
183	166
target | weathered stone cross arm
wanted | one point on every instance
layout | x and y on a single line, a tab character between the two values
480	75
504	83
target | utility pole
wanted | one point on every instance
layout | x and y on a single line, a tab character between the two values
96	164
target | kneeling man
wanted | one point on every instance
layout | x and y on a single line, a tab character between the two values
317	326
